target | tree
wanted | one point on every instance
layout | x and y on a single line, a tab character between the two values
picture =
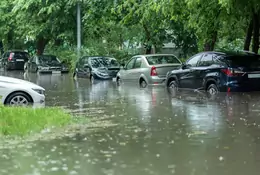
49	20
248	11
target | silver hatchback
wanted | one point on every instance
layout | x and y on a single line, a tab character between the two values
148	69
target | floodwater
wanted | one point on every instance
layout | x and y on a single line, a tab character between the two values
156	134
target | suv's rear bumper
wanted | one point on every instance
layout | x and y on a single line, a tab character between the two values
15	65
239	87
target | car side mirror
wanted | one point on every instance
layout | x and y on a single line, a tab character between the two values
183	66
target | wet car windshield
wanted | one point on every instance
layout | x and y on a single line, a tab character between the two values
104	62
48	59
162	59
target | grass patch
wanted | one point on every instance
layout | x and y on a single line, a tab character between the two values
20	121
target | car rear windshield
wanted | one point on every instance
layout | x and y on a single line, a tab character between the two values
162	59
97	62
251	61
21	55
48	59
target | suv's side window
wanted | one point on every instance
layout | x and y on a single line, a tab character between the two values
206	60
192	62
138	63
130	64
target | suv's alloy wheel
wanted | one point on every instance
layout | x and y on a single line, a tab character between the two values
212	89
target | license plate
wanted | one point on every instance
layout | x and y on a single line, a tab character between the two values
56	72
253	75
19	59
114	79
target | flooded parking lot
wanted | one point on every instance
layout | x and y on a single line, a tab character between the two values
188	134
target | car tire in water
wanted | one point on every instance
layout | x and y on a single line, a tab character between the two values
6	67
18	99
75	76
118	81
212	89
92	79
25	67
143	83
173	87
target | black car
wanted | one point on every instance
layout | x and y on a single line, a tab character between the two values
14	59
96	67
46	64
218	72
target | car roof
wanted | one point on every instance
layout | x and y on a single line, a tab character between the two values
232	53
151	55
98	56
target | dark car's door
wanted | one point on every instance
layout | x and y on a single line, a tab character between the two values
186	76
203	67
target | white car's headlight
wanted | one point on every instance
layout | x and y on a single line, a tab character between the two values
42	92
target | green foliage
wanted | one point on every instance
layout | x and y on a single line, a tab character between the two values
23	121
190	25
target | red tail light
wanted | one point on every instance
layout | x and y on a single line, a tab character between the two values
153	71
232	72
10	56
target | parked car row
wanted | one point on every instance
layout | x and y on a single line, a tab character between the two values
212	72
20	60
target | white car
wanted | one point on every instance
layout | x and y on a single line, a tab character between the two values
17	92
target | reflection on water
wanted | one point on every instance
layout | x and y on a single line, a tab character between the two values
189	134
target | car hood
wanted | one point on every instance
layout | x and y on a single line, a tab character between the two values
16	81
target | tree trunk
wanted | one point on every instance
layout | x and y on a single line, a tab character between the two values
256	26
214	40
207	46
10	40
249	35
58	42
1	47
148	48
210	44
40	45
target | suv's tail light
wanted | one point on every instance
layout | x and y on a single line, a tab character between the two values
232	72
10	56
153	71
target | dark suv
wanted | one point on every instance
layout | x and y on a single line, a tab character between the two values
218	71
14	59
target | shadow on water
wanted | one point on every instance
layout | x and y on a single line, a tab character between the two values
156	133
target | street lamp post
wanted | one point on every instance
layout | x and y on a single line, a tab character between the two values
78	29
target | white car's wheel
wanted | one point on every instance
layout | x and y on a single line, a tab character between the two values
18	99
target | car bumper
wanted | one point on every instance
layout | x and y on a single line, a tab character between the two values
52	72
38	98
238	87
15	65
103	77
157	81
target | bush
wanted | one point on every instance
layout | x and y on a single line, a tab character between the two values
23	121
